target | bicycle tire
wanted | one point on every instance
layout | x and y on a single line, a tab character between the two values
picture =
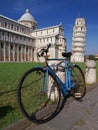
36	102
78	77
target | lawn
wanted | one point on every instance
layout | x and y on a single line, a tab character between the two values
83	68
10	74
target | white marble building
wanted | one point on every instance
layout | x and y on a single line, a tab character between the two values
78	40
20	39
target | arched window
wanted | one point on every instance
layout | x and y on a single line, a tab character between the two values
11	26
1	45
5	24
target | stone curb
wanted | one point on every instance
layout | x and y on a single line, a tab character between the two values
22	124
25	124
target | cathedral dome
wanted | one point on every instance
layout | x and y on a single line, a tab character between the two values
27	17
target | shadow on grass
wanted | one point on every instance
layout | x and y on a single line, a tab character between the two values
4	110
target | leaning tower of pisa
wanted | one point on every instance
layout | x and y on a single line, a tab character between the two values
78	40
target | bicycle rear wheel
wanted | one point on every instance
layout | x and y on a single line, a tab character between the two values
38	95
78	78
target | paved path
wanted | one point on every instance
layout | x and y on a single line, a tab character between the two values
74	116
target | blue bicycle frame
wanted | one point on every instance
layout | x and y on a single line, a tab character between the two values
64	86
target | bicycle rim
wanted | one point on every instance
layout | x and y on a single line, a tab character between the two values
38	97
78	78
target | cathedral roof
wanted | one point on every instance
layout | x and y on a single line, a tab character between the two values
27	17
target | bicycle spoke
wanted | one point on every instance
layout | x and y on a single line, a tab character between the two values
78	78
38	98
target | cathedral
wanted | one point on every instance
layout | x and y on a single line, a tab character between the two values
21	39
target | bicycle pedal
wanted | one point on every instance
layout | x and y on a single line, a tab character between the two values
77	95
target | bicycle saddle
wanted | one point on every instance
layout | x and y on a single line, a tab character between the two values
66	54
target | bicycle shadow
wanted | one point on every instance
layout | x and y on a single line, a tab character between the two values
4	110
64	101
61	106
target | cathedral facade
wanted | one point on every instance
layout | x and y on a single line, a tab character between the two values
20	40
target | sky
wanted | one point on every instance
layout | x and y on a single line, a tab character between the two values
52	12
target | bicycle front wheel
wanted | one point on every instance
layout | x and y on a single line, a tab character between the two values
38	95
78	78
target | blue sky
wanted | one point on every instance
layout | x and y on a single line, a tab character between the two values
52	12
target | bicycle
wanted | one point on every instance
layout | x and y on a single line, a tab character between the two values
40	90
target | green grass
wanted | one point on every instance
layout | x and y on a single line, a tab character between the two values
80	122
83	67
10	74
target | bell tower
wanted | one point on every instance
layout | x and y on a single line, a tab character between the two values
78	40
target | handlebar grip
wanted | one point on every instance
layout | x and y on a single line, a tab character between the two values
49	45
44	50
40	54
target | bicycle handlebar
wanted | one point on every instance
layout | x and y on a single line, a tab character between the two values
44	50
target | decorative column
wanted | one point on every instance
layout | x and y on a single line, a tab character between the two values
28	54
60	45
4	51
35	54
31	54
21	53
78	40
90	74
9	52
24	53
17	52
0	52
13	53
